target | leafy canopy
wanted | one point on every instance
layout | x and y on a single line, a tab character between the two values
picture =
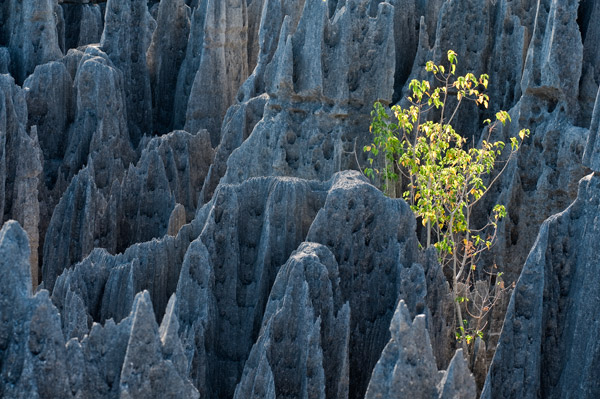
441	177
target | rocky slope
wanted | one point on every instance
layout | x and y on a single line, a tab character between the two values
190	221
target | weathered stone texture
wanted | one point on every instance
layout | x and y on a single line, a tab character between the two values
32	356
272	274
29	31
4	60
20	165
319	99
164	57
371	249
548	347
222	68
191	63
304	332
99	132
83	24
407	367
128	29
50	106
591	155
136	207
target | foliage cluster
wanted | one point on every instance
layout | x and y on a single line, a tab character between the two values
443	177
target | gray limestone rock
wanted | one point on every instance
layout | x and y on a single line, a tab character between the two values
59	16
240	239
134	208
320	97
128	29
51	109
172	169
406	40
407	367
133	358
171	345
99	133
49	94
20	165
553	65
254	10
345	225
83	24
548	346
439	310
373	239
32	347
146	202
75	225
262	48
589	11
304	332
108	283
187	159
145	373
249	231
119	290
29	31
101	353
237	126
71	60
191	63
75	321
4	60
457	382
197	312
164	57
87	280
263	384
222	68
27	179
591	156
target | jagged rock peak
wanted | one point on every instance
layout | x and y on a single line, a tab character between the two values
128	28
303	344
222	67
132	359
407	367
20	165
16	281
29	30
591	156
50	106
258	224
165	56
554	58
145	374
99	132
548	346
136	207
33	358
71	233
318	88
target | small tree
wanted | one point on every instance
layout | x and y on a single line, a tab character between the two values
445	178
